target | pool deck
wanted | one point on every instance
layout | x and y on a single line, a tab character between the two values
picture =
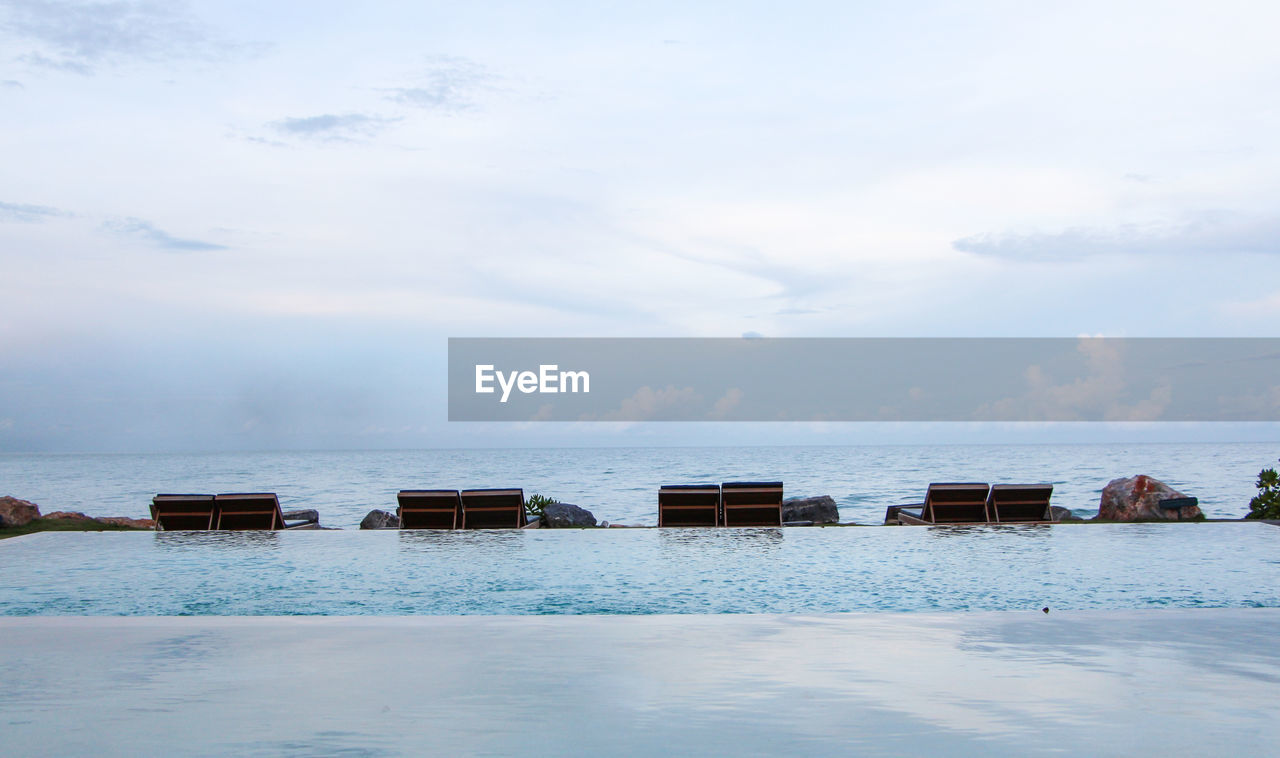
1102	683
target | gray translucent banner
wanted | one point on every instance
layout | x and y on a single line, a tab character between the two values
998	379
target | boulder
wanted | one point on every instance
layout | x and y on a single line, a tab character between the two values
1058	513
68	516
132	523
1138	498
307	516
818	510
566	515
380	520
15	512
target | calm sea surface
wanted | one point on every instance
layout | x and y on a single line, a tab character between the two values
620	484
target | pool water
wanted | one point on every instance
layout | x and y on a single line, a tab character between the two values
1122	683
642	571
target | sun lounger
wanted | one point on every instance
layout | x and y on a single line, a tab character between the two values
249	510
1012	503
429	509
751	503
178	512
689	505
493	509
950	503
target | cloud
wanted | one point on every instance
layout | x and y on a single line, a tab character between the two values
1203	233
648	404
448	85
1264	307
78	37
346	127
1098	394
29	213
793	283
12	84
136	227
727	402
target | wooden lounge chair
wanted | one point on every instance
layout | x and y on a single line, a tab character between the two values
493	509
178	512
429	509
751	503
249	510
689	505
1013	503
950	503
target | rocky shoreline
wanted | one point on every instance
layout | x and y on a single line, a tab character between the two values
1139	498
16	513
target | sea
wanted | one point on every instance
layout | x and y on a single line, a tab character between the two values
620	485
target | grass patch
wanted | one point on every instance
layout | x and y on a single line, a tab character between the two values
64	525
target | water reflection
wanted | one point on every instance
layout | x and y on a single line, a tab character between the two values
683	536
861	684
202	540
989	531
455	539
751	537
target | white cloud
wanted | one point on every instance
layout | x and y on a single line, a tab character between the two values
343	127
591	180
1207	234
726	403
668	402
145	230
79	37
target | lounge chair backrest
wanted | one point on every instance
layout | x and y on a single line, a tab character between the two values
493	509
689	505
1019	502
178	512
249	510
751	503
429	509
956	503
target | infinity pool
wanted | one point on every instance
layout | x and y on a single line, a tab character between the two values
642	571
1122	683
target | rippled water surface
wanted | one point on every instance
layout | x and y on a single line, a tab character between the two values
642	571
620	484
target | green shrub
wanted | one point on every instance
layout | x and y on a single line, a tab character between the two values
534	504
1267	503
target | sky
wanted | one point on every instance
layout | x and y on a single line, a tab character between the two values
233	225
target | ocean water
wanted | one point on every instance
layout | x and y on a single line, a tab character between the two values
620	485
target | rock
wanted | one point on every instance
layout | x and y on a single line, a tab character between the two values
308	516
819	510
1138	499
15	512
566	515
132	523
68	516
1058	513
380	520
